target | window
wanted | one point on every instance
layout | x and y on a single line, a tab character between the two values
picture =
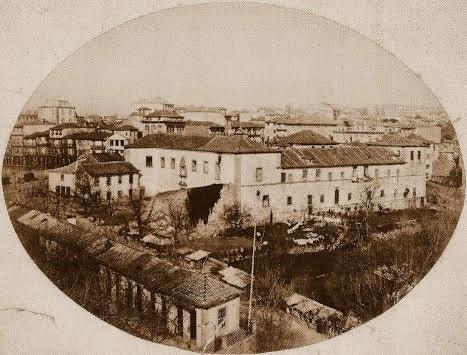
411	155
398	153
172	163
205	167
130	178
389	172
149	161
193	166
283	177
221	317
62	177
57	190
290	177
419	155
349	196
119	193
108	180
304	174
318	174
321	199
162	162
266	201
109	195
382	193
289	200
398	172
395	192
330	176
414	192
122	143
259	174
342	175
119	179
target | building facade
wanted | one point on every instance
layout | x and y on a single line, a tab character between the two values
283	183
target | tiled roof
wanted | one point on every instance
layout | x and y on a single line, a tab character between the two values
73	167
397	140
126	127
107	156
89	136
109	168
170	141
188	288
337	156
312	120
202	123
215	144
37	134
68	125
304	138
249	124
235	145
164	113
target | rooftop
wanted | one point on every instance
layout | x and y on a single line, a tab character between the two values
109	168
235	145
215	144
37	135
126	127
294	158
248	125
202	123
312	120
397	140
89	136
187	287
67	125
306	137
164	113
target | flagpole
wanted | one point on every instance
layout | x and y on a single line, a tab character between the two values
251	279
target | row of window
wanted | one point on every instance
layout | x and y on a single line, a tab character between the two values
194	164
108	181
289	177
322	198
117	142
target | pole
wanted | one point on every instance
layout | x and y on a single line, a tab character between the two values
251	279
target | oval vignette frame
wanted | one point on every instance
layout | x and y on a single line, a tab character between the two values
382	272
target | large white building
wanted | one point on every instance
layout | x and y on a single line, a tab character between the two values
286	183
57	111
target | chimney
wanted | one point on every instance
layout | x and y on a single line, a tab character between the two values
228	123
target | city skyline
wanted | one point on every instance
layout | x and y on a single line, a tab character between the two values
178	56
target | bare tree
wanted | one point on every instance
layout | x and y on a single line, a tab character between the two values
235	218
178	219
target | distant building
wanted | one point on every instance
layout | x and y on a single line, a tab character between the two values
249	129
57	111
283	126
149	105
305	139
163	121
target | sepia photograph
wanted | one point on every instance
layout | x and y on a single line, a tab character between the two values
233	178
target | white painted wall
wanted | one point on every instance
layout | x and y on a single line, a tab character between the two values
207	326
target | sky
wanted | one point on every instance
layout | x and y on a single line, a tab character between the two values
240	55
